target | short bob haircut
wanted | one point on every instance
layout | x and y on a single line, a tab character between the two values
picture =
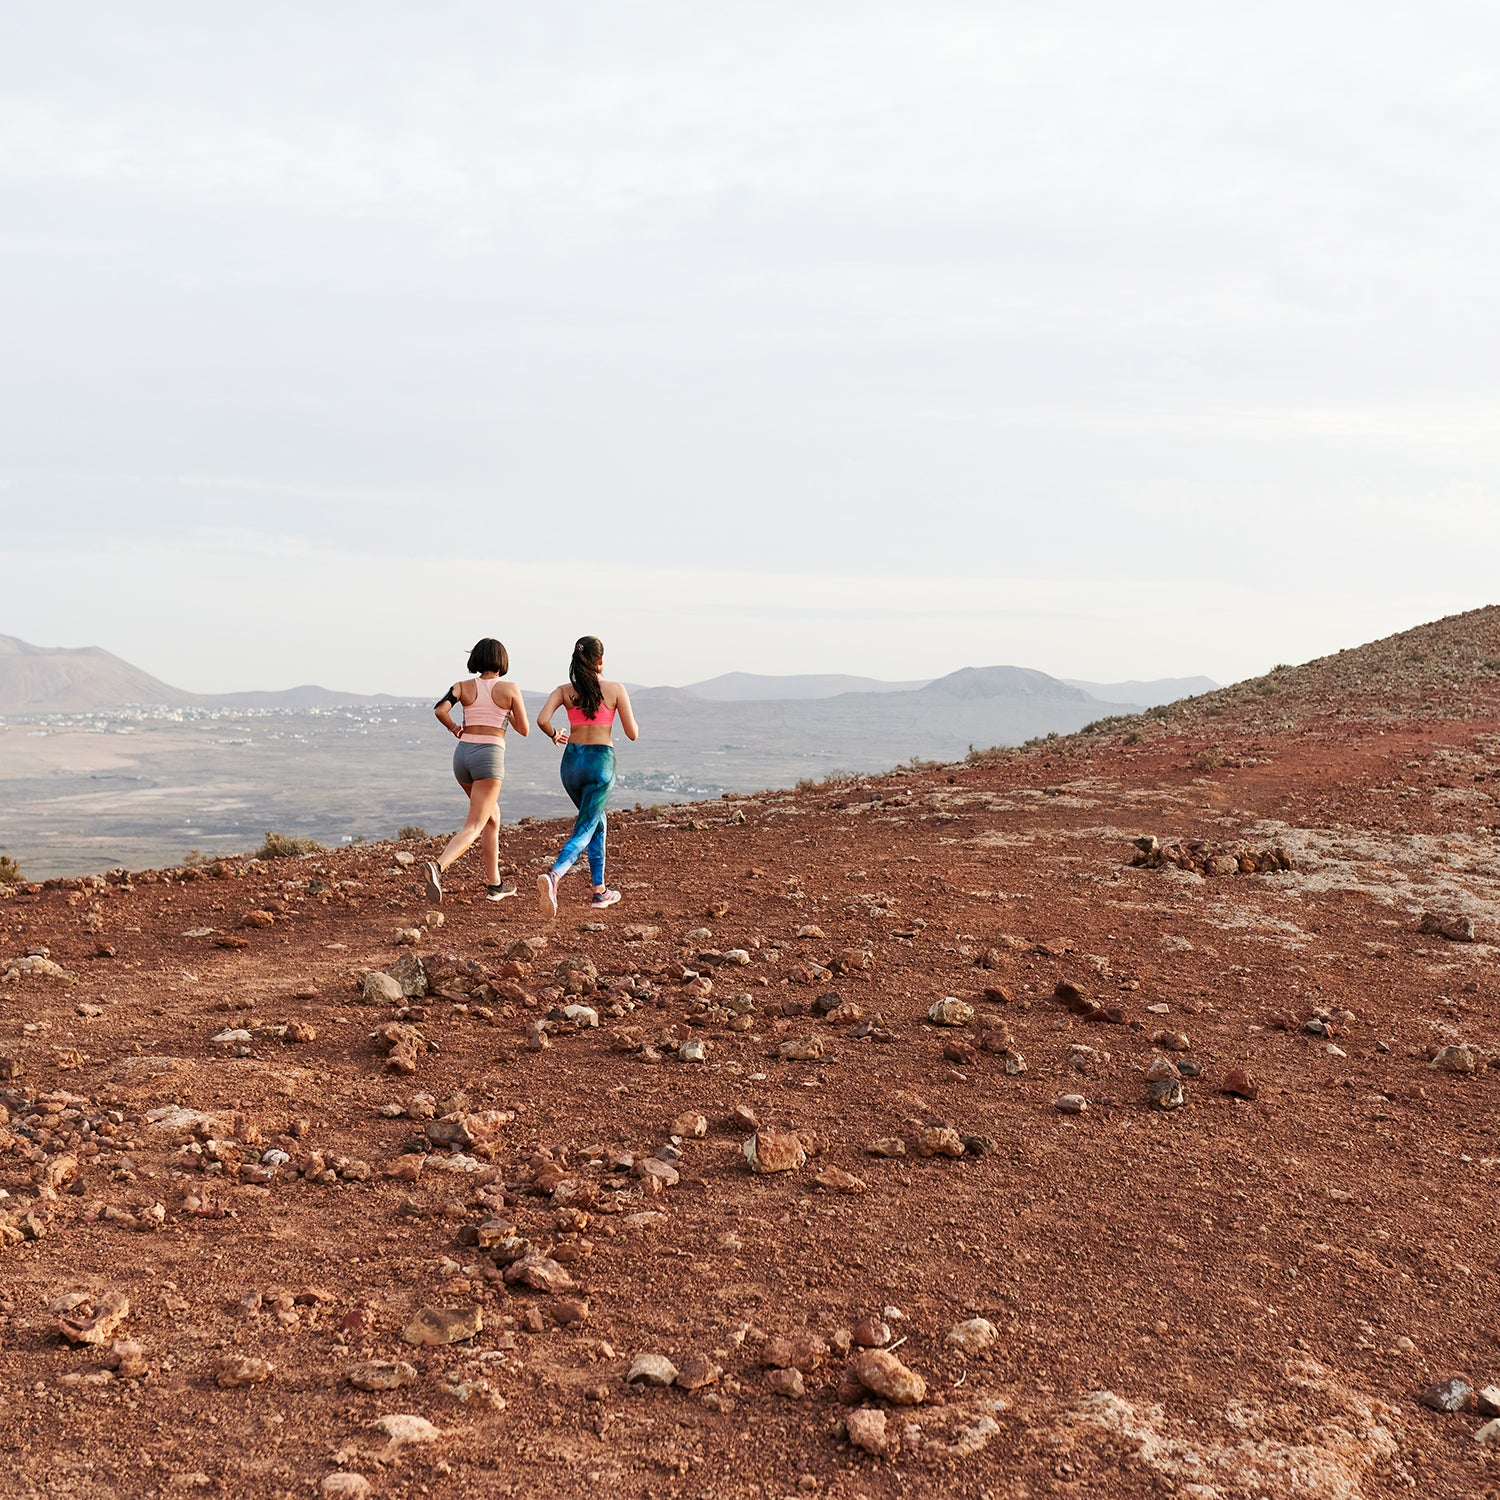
489	655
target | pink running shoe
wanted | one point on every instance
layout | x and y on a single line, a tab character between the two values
604	898
546	892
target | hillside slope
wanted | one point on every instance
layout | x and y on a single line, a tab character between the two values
220	1118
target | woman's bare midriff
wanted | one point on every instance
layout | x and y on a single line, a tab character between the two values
589	734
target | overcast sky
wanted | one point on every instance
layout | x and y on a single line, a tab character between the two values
1114	340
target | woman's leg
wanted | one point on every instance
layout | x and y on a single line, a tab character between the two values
596	852
484	800
588	778
489	845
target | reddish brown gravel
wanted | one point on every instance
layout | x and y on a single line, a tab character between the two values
1241	1296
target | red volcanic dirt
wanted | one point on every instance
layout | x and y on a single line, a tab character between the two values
1234	1298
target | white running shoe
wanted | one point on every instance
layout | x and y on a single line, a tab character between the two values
604	898
434	883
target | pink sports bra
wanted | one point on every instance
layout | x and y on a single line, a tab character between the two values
482	712
576	716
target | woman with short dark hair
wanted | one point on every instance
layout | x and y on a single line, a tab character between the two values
588	763
489	706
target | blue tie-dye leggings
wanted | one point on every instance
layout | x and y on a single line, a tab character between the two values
588	777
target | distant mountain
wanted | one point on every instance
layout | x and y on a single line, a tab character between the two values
306	696
1004	682
65	680
56	679
753	687
1147	694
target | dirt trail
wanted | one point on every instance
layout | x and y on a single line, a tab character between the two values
1234	1298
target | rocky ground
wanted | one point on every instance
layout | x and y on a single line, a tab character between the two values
1125	1111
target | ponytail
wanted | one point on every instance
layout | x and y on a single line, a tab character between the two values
583	673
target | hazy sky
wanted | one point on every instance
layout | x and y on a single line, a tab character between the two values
1115	340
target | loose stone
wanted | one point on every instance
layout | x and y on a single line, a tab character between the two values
242	1369
1454	1060
1453	1394
380	1375
973	1336
866	1429
938	1140
1241	1084
774	1151
651	1369
881	1373
443	1325
697	1372
345	1485
1165	1093
950	1012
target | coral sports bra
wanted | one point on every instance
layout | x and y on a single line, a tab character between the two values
603	715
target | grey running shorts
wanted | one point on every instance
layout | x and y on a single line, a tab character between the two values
479	760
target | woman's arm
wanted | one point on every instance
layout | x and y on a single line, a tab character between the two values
518	720
554	702
625	713
442	710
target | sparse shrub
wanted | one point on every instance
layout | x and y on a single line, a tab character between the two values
411	831
284	846
990	753
1267	689
1133	738
807	784
195	857
1208	760
916	763
10	871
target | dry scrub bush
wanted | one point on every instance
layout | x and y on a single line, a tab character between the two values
283	846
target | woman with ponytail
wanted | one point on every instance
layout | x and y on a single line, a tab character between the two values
588	763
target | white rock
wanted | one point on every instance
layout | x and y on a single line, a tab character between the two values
654	1369
972	1336
175	1118
345	1486
581	1015
381	989
403	1427
235	1034
1454	1060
